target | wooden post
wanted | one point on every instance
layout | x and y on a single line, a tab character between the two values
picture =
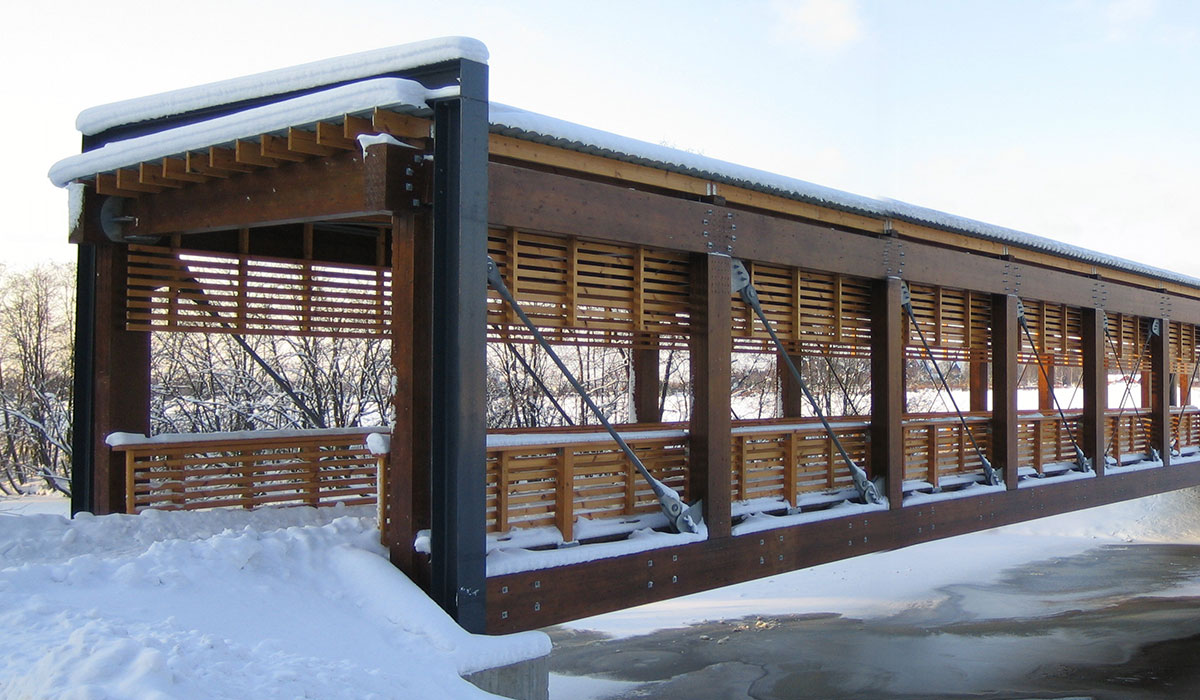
114	394
401	495
1095	389
564	494
646	382
1160	391
711	345
1046	383
1005	344
887	388
791	398
978	379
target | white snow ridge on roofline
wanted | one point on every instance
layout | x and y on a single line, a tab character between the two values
309	75
307	109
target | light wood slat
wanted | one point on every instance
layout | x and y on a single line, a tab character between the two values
250	472
170	289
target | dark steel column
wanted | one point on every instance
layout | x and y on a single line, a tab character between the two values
1095	389
1160	391
459	430
887	388
82	465
711	347
1004	387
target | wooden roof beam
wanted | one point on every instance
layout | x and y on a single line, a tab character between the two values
333	136
300	141
277	147
177	169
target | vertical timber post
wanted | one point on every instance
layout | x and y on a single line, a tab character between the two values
402	493
711	348
646	382
978	383
1095	388
887	388
1004	387
112	375
791	398
1160	393
458	427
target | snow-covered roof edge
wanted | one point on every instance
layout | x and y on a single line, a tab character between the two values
298	111
530	126
283	80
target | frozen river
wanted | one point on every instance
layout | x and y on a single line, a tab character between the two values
1115	616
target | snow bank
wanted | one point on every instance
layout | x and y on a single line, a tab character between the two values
290	602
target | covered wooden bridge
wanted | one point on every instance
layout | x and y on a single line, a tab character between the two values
365	196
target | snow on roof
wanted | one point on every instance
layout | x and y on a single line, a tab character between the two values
390	93
518	123
505	120
276	82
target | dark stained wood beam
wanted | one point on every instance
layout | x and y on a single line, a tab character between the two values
537	599
1159	380
710	352
1095	388
887	388
1005	344
338	186
541	201
120	396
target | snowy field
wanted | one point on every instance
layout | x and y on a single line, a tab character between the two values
300	603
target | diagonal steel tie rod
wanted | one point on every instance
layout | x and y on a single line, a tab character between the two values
682	517
742	284
989	472
1081	461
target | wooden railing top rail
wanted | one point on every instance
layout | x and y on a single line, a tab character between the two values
121	442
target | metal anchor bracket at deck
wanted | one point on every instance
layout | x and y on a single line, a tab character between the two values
742	284
682	517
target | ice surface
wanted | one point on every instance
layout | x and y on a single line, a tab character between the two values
284	80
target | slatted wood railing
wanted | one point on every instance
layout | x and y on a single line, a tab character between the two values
550	478
1044	438
186	472
937	446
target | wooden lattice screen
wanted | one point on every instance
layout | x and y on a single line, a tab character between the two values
817	312
1126	343
589	293
171	289
956	323
1057	331
1183	348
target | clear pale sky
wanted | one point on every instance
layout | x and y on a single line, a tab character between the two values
1076	120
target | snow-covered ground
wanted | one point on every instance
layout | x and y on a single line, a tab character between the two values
278	603
301	603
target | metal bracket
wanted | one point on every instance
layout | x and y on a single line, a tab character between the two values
719	230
